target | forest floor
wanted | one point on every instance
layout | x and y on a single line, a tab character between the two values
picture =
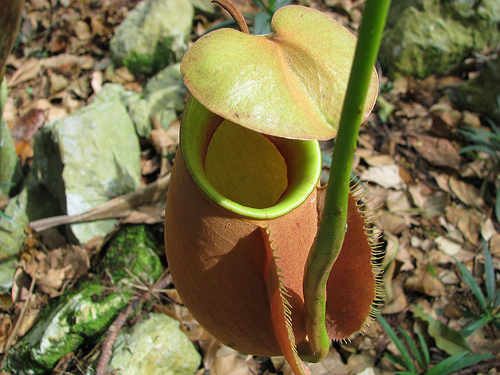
432	210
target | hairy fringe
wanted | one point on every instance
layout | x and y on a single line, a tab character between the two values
284	294
359	190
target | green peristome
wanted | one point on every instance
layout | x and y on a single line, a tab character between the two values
303	160
288	84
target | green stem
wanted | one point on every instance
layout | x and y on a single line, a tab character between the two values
333	223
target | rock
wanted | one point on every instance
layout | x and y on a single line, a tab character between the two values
10	171
83	315
429	36
204	6
113	92
78	317
482	94
7	270
133	249
154	346
162	98
33	203
153	36
12	234
87	158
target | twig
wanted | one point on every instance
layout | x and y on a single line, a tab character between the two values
134	277
235	14
18	323
114	329
115	208
161	147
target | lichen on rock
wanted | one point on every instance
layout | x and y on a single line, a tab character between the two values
430	36
153	36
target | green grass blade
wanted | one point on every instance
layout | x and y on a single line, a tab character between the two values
409	365
396	360
457	362
489	273
469	280
441	367
262	23
413	347
495	128
478	148
425	350
472	327
261	5
497	205
445	337
496	302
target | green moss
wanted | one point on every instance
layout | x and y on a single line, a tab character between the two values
430	36
96	313
76	318
133	248
146	63
480	95
84	314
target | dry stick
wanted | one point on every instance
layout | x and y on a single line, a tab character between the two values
114	329
117	207
18	323
235	13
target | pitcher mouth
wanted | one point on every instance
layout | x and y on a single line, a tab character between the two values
293	175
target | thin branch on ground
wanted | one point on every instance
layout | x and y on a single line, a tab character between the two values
19	321
114	329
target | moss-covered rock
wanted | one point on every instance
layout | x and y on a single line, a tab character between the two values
78	317
153	36
132	249
154	346
482	94
33	203
81	316
162	98
10	170
87	158
429	36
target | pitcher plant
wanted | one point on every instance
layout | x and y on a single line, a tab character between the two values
245	210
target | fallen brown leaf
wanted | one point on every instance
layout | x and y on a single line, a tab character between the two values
6	327
398	301
28	125
55	268
424	281
439	152
431	203
386	176
229	362
332	364
58	82
469	226
30	70
82	30
467	193
67	63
